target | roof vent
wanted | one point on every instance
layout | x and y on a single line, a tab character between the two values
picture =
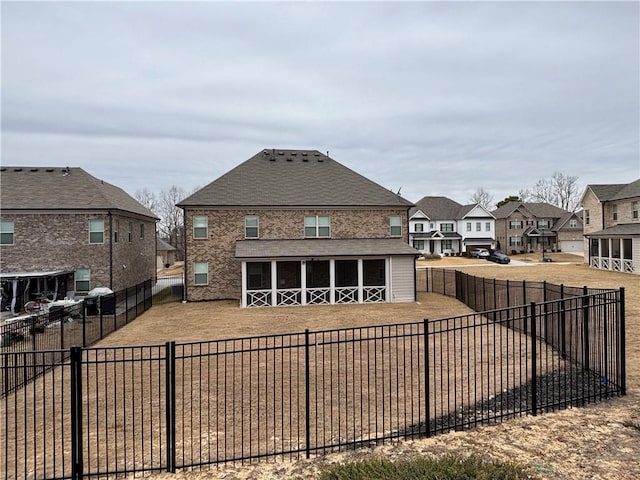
49	170
17	169
289	159
272	159
316	154
305	160
2	169
280	153
320	160
294	153
33	170
304	154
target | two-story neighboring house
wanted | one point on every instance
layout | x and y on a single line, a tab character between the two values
65	231
535	227
612	226
439	225
295	227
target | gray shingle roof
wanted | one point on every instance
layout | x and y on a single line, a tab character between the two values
322	248
293	178
537	209
438	208
622	229
57	188
606	192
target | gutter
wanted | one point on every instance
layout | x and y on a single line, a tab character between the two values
110	249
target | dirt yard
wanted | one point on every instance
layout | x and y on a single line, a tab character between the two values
597	442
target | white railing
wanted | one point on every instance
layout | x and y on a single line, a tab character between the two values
317	296
616	264
595	262
347	295
259	298
605	264
628	266
291	296
375	294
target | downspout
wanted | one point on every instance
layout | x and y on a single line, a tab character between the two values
184	242
110	249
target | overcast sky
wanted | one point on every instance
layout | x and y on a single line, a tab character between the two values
433	98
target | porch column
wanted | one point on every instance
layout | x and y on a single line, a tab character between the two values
610	254
14	283
303	282
274	283
360	281
332	281
243	298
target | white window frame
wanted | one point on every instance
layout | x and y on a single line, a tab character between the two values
573	223
7	227
419	227
478	226
200	227
587	217
487	226
200	269
248	227
634	210
395	226
468	226
450	227
93	230
614	213
515	241
317	226
82	275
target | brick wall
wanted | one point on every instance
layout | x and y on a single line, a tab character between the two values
227	226
60	241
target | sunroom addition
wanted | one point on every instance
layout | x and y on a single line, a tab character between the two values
312	272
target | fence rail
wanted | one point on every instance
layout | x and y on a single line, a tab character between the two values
165	407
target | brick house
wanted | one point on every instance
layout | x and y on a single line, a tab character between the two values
439	225
65	231
535	227
295	227
612	226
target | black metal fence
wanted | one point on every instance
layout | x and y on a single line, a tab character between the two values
80	324
131	409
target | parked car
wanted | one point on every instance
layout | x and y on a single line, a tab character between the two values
480	253
498	257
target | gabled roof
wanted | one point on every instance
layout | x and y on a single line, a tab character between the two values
465	210
565	218
437	208
537	209
293	178
57	188
163	246
615	191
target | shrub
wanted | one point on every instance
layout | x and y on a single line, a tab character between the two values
446	468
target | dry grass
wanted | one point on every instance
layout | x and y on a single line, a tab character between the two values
587	443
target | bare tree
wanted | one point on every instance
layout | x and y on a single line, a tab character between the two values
560	190
148	199
171	224
482	197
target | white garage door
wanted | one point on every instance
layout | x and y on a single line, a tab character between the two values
572	246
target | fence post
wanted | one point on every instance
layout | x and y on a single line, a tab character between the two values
545	298
170	404
427	389
77	448
563	323
623	357
307	394
126	305
585	328
534	362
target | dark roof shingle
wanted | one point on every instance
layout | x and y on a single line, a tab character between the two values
293	178
56	188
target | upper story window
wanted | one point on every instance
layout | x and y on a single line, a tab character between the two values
82	280
251	226
419	227
116	229
200	227
6	232
573	223
201	273
468	226
614	213
515	224
586	217
478	226
432	226
142	230
543	224
446	227
395	225
96	231
130	231
317	226
634	210
487	226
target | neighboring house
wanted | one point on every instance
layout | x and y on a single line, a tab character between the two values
439	225
612	226
65	231
166	254
295	227
523	227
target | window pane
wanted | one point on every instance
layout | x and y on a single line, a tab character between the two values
310	221
82	280
323	231
201	273
199	222
288	274
6	226
373	272
259	276
96	237
96	225
323	221
318	274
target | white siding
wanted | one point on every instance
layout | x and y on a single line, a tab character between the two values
402	279
636	255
